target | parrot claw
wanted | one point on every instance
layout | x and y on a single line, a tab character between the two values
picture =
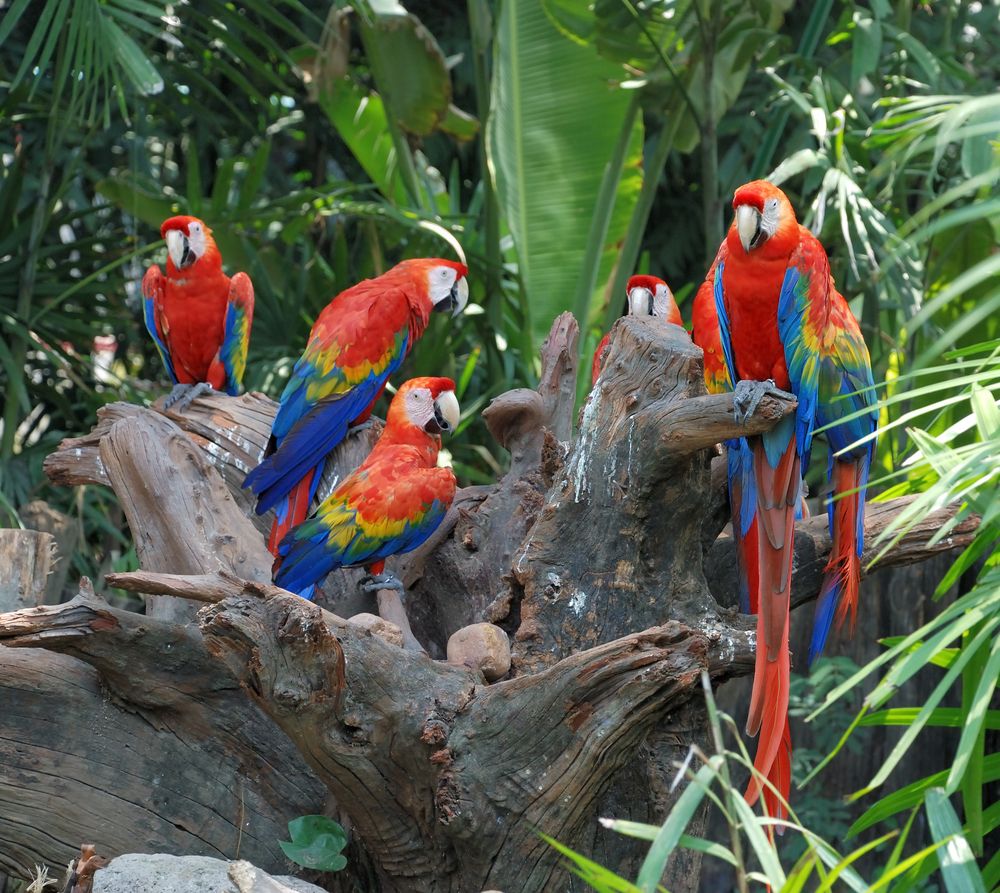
370	583
183	395
748	394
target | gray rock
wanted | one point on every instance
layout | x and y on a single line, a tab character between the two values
162	873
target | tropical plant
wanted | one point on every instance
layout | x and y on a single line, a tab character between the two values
751	851
959	464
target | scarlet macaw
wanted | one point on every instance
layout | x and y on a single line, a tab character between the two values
358	340
783	325
647	296
390	504
199	318
743	508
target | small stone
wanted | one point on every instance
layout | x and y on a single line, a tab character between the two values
384	629
483	647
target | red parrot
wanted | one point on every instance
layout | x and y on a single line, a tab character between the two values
358	340
743	507
647	296
390	504
199	318
782	324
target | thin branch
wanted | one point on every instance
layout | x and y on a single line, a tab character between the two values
700	422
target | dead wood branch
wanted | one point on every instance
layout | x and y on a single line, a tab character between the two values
440	777
26	560
130	732
400	753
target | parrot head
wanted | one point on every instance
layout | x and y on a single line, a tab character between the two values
426	403
188	240
442	281
649	296
763	216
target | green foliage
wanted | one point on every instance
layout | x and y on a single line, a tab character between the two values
808	692
752	851
962	643
555	122
316	843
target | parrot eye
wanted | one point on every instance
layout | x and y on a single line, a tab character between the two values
772	204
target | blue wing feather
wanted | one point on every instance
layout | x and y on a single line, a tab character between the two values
307	556
236	331
306	432
149	298
802	362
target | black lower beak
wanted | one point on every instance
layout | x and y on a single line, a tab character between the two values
188	257
650	310
449	303
758	235
437	424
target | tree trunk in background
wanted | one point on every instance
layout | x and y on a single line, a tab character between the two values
589	553
25	565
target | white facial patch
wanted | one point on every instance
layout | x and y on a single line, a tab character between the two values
196	238
184	250
419	406
661	301
770	218
440	281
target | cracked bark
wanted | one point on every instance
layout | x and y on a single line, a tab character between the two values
590	552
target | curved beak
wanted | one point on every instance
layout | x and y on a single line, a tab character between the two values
446	413
748	226
179	249
457	298
640	301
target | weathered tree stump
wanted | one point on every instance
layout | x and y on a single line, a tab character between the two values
26	560
590	553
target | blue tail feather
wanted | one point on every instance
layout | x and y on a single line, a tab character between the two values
306	446
826	607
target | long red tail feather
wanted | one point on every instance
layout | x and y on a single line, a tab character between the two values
844	560
298	511
777	492
781	777
748	558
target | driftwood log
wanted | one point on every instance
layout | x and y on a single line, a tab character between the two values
599	554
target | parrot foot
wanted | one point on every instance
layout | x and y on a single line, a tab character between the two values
748	394
377	582
183	395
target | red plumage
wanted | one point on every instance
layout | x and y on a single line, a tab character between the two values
198	316
646	296
358	340
780	317
390	504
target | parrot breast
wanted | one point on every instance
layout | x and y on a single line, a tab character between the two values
752	289
194	309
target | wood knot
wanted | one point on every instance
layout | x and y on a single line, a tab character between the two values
578	715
